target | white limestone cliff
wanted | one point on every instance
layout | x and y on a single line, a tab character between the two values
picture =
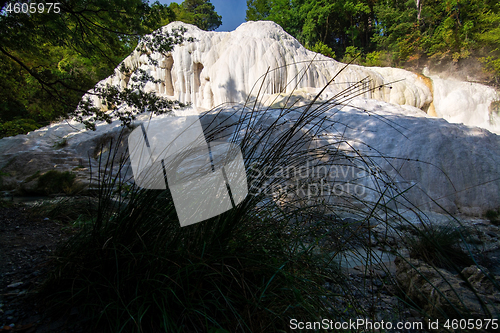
228	67
466	102
429	158
437	165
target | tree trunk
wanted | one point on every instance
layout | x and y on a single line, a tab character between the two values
419	10
326	30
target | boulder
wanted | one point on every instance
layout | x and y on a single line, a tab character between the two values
471	294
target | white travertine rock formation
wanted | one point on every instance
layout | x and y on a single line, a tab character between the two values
466	102
437	165
222	67
456	165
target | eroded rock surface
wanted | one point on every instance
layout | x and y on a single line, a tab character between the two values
229	67
443	294
436	164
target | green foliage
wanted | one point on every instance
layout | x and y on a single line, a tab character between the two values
439	246
439	29
257	10
200	13
493	215
32	177
159	15
203	14
133	96
492	63
336	24
61	143
65	209
397	27
352	54
152	274
54	182
445	30
490	37
49	60
17	126
240	271
322	48
373	59
494	108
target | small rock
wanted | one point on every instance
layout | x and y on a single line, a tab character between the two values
391	289
15	284
380	273
414	313
430	286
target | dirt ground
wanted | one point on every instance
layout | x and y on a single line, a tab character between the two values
26	245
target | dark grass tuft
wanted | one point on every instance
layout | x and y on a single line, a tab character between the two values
251	269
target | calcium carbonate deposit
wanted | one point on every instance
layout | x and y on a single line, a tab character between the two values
221	67
438	136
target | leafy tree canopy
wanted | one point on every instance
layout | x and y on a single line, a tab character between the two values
50	57
257	10
335	23
405	29
202	14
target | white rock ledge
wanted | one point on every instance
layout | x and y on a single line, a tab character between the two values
443	165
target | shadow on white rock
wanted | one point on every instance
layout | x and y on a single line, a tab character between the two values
229	67
436	164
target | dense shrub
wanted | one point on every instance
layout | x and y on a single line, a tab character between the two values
18	126
53	182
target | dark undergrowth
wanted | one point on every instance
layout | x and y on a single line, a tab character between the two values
132	268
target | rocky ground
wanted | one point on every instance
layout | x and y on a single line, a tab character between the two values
26	245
